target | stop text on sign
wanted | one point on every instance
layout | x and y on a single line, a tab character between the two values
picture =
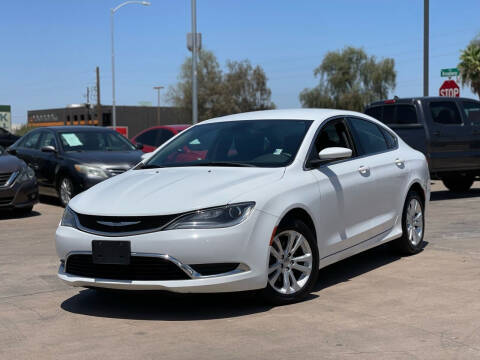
449	89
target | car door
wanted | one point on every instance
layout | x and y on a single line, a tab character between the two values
449	136
47	163
28	148
471	112
345	187
389	173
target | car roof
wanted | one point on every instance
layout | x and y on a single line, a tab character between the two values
409	100
67	128
173	127
286	114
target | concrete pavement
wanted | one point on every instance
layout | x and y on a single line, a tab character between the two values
373	306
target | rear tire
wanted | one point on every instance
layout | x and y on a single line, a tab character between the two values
293	264
413	225
458	182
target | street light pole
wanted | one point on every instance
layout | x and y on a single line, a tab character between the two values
158	88
425	46
194	63
112	12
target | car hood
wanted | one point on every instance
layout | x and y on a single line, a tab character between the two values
9	163
171	190
106	158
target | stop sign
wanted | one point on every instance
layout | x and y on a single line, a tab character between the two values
449	88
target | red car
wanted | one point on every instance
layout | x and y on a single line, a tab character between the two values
153	137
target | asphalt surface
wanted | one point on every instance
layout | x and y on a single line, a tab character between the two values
373	306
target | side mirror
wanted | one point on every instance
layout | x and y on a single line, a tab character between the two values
335	153
139	146
49	149
12	151
330	154
146	156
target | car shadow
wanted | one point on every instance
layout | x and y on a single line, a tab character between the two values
12	214
450	195
160	305
50	200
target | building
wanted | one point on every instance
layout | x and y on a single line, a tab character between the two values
6	117
134	118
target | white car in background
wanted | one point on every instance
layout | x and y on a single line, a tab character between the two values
258	200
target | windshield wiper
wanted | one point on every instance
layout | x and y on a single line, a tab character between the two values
149	166
222	163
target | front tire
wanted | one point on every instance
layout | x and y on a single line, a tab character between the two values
413	225
293	264
66	190
459	182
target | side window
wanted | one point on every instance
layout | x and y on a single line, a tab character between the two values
333	134
445	112
400	114
368	137
472	112
163	136
48	139
391	139
148	138
32	141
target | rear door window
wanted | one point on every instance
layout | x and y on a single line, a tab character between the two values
368	137
163	136
472	112
399	114
445	113
149	137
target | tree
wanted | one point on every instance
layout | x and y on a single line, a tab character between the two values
350	79
242	88
470	66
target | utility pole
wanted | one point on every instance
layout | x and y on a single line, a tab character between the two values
87	106
425	45
158	88
194	63
99	106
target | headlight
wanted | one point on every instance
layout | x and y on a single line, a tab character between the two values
69	218
219	217
26	174
91	171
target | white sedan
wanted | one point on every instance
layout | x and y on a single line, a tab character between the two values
258	200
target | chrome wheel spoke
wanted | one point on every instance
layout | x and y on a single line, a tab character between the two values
299	241
274	267
305	257
286	281
303	269
294	282
273	280
275	254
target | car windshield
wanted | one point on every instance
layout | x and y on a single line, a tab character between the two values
262	143
94	141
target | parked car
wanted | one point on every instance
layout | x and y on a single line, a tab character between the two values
277	195
69	159
153	137
18	185
7	138
446	130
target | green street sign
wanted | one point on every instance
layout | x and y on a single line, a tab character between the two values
449	72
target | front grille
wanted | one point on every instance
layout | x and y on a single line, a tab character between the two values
114	172
214	269
121	225
6	200
4	177
140	268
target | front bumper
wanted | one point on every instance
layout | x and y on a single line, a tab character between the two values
19	195
246	244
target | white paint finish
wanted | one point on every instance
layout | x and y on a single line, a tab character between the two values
334	153
354	203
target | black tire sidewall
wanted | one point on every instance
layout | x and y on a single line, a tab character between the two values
270	294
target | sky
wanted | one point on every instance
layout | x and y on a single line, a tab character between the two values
50	48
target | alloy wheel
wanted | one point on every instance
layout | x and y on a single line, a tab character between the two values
414	221
66	191
290	263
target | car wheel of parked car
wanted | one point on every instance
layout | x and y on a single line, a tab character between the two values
66	190
293	263
458	182
413	225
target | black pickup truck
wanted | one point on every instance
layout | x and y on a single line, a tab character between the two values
446	130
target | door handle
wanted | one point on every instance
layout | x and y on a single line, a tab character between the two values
35	166
436	133
364	170
399	162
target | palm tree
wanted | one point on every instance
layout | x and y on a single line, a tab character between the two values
470	66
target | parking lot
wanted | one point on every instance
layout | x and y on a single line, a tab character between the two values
373	306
